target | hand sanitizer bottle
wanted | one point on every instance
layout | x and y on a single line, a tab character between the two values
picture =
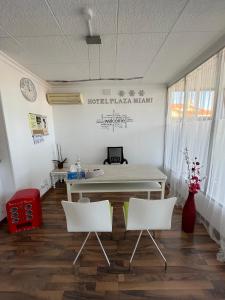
78	168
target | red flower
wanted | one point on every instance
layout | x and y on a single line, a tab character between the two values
194	178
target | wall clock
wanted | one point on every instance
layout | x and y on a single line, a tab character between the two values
28	89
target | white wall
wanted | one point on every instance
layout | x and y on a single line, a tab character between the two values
7	186
78	134
31	163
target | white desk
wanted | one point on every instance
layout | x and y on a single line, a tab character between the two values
120	178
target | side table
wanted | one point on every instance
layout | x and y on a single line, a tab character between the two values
58	174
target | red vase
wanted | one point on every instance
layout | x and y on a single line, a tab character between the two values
189	214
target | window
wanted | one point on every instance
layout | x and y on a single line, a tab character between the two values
200	104
176	100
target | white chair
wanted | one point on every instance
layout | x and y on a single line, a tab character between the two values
88	217
141	214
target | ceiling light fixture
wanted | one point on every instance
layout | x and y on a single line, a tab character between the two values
90	39
88	14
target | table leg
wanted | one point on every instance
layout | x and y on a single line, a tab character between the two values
52	181
163	184
68	189
149	195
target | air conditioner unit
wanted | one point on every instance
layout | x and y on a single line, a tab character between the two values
64	98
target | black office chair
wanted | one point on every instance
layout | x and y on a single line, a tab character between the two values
115	156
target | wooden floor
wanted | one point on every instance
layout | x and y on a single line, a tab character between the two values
38	264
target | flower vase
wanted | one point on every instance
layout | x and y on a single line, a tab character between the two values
189	214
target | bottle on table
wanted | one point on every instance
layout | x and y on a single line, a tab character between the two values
78	165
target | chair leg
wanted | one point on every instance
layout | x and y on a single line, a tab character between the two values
158	249
102	248
81	248
135	247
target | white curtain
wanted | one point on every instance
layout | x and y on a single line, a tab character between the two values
196	120
212	206
191	104
173	162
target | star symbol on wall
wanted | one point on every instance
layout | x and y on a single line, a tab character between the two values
131	93
121	93
141	93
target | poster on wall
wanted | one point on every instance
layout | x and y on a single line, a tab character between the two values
114	120
39	127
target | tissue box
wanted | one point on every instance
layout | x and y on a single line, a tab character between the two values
75	175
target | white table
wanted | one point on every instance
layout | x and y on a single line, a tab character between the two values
119	178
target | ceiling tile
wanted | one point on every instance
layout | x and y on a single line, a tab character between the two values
178	52
143	46
51	49
61	71
108	47
148	15
70	16
27	18
143	27
108	68
126	69
106	52
11	48
3	33
202	15
94	56
79	48
108	56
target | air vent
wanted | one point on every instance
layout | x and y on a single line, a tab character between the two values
64	98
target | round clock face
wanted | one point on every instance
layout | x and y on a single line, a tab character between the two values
28	89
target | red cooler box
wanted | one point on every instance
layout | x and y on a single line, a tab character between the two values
24	210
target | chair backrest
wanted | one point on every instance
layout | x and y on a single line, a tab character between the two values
115	154
88	217
150	214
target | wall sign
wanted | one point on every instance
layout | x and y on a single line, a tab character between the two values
130	97
39	127
113	121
